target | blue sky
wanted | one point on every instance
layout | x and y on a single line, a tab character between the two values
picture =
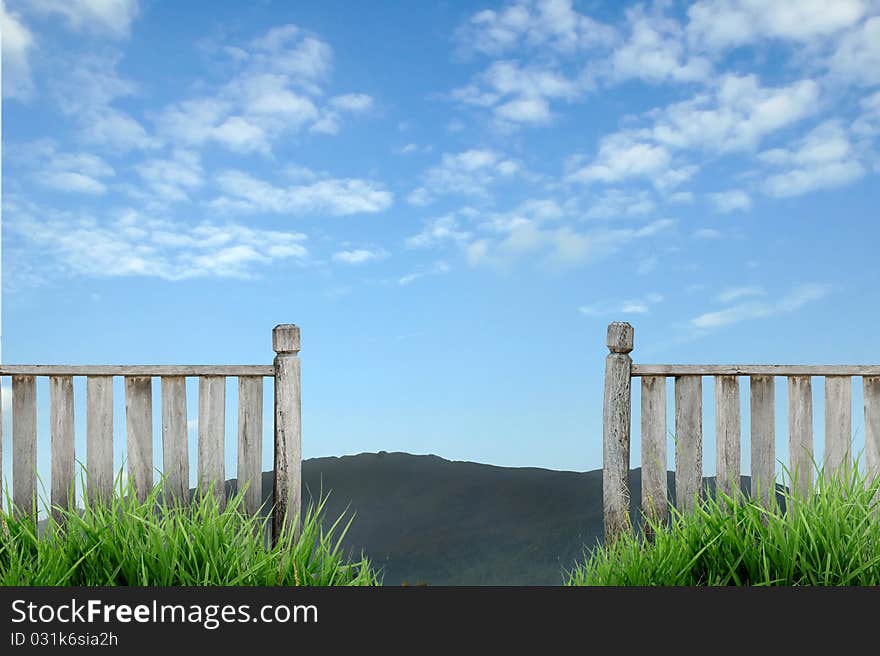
452	199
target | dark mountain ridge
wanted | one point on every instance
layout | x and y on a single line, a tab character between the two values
422	518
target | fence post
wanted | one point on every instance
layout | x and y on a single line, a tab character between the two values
616	430
287	482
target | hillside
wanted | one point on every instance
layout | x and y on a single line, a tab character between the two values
426	519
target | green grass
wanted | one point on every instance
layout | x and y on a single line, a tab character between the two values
830	538
155	543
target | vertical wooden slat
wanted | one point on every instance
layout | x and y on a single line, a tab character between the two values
99	438
250	440
838	425
653	414
728	435
212	418
800	433
287	484
872	426
175	449
24	443
61	441
139	433
616	431
688	441
763	438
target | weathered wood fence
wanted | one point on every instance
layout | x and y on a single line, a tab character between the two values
139	429
688	429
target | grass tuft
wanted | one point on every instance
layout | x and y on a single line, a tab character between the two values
832	537
157	543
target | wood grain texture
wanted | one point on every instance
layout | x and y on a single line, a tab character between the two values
653	430
800	433
137	370
61	442
872	426
763	439
728	435
616	431
139	433
24	444
99	438
212	429
175	443
688	442
250	440
838	425
287	487
755	370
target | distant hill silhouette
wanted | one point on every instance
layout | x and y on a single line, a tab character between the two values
425	519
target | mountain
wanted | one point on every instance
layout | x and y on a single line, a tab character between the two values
423	519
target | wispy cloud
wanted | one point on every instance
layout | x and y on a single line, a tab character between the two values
359	255
638	305
437	268
243	192
131	244
791	302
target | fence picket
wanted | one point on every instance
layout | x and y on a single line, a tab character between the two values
800	433
212	418
139	433
653	413
61	441
175	449
838	425
763	439
872	426
99	438
728	434
24	443
250	440
688	441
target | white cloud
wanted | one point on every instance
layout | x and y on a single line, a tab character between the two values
623	156
858	56
550	24
823	159
616	203
720	24
731	201
470	173
111	18
246	193
640	305
171	179
791	302
737	115
518	94
735	293
439	231
76	172
17	44
278	90
437	268
131	244
707	233
654	51
86	93
359	255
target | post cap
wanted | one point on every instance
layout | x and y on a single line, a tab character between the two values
620	337
285	338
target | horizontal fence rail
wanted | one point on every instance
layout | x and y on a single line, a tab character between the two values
688	428
138	392
191	370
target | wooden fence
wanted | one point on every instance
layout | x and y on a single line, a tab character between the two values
287	482
688	432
